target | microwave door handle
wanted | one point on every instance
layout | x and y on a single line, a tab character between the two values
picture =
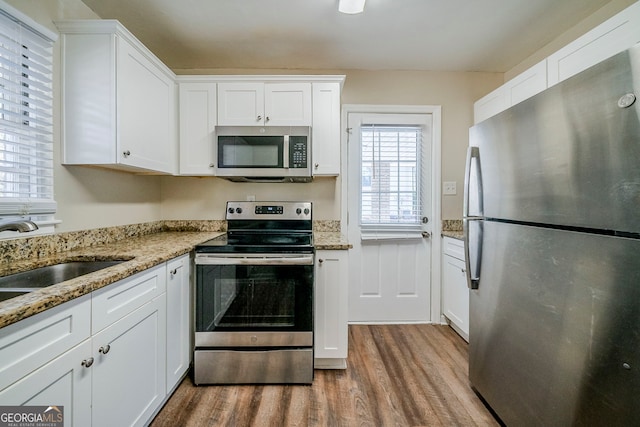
285	154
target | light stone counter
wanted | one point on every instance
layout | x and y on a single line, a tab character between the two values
142	246
141	253
330	241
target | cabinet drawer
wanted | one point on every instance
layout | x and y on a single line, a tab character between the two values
32	342
121	298
454	247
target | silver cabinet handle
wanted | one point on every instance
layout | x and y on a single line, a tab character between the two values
211	165
267	119
126	153
316	165
259	118
320	261
173	272
87	362
104	349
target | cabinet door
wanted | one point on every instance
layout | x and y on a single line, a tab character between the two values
129	367
455	294
330	326
490	105
325	139
240	104
61	382
198	116
113	302
527	84
287	104
146	112
178	320
32	342
616	34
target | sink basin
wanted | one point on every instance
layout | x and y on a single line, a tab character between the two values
7	294
31	280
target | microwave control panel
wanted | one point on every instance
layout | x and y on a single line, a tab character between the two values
298	151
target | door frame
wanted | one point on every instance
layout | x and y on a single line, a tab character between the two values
435	215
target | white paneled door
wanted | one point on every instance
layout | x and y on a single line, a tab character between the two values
389	217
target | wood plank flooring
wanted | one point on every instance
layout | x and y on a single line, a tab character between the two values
397	375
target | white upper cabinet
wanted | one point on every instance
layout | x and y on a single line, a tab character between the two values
613	36
325	133
209	101
264	104
118	100
609	38
521	87
198	118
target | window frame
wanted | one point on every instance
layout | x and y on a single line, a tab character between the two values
24	34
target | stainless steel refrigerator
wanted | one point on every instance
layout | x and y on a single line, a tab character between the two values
552	229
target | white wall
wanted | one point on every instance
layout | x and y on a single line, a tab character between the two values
90	197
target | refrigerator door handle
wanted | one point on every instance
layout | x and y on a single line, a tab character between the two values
472	185
472	215
472	258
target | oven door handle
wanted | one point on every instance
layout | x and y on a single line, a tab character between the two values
254	259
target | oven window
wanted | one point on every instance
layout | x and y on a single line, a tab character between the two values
254	298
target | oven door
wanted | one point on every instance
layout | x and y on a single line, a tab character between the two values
254	300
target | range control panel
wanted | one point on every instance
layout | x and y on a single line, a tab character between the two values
269	210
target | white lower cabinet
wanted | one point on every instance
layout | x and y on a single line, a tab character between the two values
62	382
330	326
178	320
109	358
129	367
455	293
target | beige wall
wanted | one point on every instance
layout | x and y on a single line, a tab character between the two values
185	198
596	18
89	197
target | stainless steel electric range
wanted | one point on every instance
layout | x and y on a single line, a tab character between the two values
254	297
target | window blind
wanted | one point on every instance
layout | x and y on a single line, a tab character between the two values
391	175
26	122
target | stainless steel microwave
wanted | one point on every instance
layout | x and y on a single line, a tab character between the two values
264	153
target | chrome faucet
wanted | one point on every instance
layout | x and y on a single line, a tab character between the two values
20	225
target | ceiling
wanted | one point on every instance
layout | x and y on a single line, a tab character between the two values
441	35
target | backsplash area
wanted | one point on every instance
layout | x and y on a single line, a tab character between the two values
43	246
451	225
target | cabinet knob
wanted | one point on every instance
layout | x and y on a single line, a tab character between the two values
87	362
173	272
320	261
259	118
211	165
126	153
267	119
316	165
104	349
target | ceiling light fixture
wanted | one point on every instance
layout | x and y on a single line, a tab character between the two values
351	6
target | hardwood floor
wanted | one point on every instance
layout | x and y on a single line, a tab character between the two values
397	375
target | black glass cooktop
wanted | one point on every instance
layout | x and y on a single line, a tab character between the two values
259	242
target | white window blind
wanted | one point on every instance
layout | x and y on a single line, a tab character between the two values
26	123
391	176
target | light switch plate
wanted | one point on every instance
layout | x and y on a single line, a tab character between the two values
449	188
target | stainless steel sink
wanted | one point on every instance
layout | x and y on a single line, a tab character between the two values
27	281
7	294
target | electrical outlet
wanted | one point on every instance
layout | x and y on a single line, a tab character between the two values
449	188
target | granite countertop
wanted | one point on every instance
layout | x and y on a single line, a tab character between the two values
455	234
330	241
139	253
